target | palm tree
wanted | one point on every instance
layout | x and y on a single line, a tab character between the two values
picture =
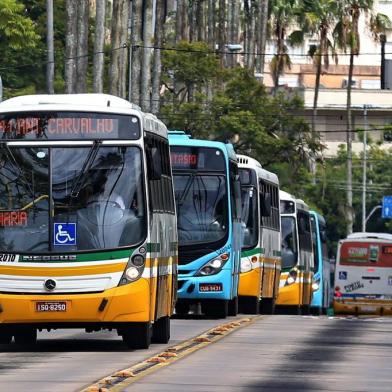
347	35
283	15
320	18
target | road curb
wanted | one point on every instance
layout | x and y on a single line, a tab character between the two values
120	379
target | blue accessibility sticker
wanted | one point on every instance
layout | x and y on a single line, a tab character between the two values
343	275
65	234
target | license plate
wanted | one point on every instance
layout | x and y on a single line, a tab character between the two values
210	287
368	308
51	306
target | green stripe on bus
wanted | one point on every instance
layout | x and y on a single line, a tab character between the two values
251	252
297	267
67	258
153	247
277	253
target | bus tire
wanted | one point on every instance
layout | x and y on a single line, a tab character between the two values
248	305
216	308
267	306
25	335
233	307
5	335
136	335
182	308
161	330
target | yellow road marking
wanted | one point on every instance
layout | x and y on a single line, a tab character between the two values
121	379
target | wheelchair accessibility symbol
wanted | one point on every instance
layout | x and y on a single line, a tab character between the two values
65	233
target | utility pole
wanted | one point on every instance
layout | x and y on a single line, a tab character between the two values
365	107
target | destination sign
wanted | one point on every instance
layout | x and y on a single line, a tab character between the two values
67	125
13	218
197	158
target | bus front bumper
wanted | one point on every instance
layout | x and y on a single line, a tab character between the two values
128	303
218	286
362	306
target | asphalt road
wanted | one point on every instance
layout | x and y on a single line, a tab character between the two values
275	353
68	360
287	353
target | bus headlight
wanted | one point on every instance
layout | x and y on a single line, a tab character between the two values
316	285
292	278
246	265
134	269
214	266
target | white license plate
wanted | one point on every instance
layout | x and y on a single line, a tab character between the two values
368	308
51	306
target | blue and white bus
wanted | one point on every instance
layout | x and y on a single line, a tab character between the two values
321	279
208	199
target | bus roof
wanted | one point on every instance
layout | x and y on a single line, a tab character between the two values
82	102
283	195
246	162
370	236
180	138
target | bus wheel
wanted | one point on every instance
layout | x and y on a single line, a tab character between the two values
5	335
136	335
161	330
182	308
267	306
233	307
216	308
25	335
248	305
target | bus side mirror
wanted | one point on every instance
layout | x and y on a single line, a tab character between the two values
323	236
265	204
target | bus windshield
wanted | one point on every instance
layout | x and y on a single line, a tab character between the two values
289	243
202	206
249	216
70	199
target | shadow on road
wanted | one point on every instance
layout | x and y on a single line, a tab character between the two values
318	355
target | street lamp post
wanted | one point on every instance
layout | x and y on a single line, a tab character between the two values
365	107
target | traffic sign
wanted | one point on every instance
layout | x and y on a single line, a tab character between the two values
387	207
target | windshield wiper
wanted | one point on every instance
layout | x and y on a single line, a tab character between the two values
187	187
15	164
79	182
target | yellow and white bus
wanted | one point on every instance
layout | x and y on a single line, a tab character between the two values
87	219
363	274
260	255
295	291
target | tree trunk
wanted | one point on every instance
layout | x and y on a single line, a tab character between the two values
146	59
252	36
160	17
99	43
50	44
222	31
70	46
211	24
200	20
123	56
136	53
82	46
349	208
263	21
114	71
181	21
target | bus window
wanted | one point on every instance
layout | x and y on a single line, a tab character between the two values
289	243
304	234
249	216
